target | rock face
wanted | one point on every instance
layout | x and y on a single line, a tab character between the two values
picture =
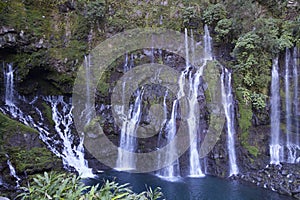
284	178
27	154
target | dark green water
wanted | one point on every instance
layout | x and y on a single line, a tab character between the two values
207	188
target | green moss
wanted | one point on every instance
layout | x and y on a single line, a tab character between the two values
23	157
48	113
33	159
9	126
212	77
244	121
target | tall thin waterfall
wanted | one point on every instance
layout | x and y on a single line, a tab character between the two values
207	44
287	150
172	170
128	132
87	66
9	84
293	145
129	127
296	96
288	102
275	147
13	171
193	116
227	100
62	142
193	120
71	154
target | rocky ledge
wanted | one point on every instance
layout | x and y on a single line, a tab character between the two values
283	178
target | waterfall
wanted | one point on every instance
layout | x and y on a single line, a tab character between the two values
292	118
291	102
9	85
207	44
296	96
228	104
165	109
288	103
172	170
192	97
193	116
71	154
128	132
275	147
13	171
60	143
87	66
129	125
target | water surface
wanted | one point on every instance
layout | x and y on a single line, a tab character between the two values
207	188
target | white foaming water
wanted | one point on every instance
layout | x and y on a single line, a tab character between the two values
9	84
61	143
193	116
296	90
207	44
293	145
71	154
13	172
288	104
172	170
126	161
227	100
275	147
88	106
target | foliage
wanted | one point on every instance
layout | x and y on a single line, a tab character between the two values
214	13
224	30
253	66
63	186
191	16
54	186
254	51
96	10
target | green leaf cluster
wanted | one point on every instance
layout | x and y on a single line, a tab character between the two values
59	186
96	10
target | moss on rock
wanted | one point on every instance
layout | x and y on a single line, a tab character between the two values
24	148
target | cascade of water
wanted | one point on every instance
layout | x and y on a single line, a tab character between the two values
87	66
13	171
193	116
72	155
172	170
60	146
207	44
128	140
126	66
165	109
275	147
227	100
296	97
288	103
193	125
9	85
293	145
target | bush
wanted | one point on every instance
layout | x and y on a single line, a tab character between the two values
59	186
96	10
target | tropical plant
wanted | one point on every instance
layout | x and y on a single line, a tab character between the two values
214	13
96	10
59	186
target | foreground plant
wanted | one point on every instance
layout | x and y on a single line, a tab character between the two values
63	186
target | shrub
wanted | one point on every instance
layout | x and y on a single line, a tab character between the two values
59	186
